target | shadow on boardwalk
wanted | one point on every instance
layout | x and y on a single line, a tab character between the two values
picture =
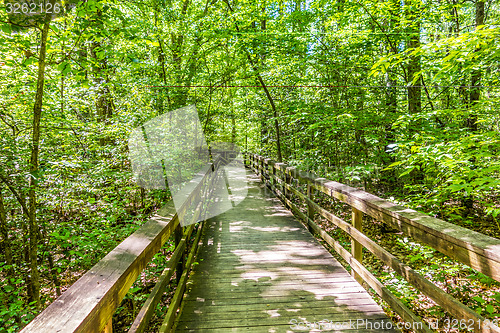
260	270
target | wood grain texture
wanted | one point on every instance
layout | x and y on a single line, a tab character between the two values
142	319
259	269
88	305
450	304
474	249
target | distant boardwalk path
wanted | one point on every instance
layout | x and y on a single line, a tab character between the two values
260	270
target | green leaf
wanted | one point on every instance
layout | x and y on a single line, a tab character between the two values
479	299
490	308
7	28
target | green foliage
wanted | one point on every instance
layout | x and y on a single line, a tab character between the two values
338	73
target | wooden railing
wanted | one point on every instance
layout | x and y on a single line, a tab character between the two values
474	249
89	304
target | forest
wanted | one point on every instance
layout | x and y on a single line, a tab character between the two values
398	98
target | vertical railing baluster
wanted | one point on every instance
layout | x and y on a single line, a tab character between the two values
357	248
263	168
273	177
310	208
180	265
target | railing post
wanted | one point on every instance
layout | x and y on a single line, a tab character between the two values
180	265
357	248
310	208
259	169
265	170
272	175
288	180
262	171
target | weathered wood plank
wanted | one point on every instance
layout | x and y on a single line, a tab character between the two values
361	305
286	328
266	320
395	304
237	279
352	298
143	317
179	292
269	316
474	249
260	237
88	305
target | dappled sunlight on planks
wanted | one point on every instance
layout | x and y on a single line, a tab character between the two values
259	269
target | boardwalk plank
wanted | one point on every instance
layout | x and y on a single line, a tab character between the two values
260	270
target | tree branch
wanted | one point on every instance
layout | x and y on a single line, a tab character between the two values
20	199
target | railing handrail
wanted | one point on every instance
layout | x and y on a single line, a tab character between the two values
445	237
476	250
89	304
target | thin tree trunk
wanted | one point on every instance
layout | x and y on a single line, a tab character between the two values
269	97
104	101
4	233
476	75
7	248
163	78
35	150
162	72
233	118
414	65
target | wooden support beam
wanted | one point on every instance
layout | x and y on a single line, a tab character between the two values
180	264
356	247
168	321
310	208
478	251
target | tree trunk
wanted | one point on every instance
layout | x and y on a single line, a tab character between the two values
4	234
414	66
233	118
162	73
476	75
104	101
163	79
269	97
35	150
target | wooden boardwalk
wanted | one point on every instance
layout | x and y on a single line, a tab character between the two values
260	270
